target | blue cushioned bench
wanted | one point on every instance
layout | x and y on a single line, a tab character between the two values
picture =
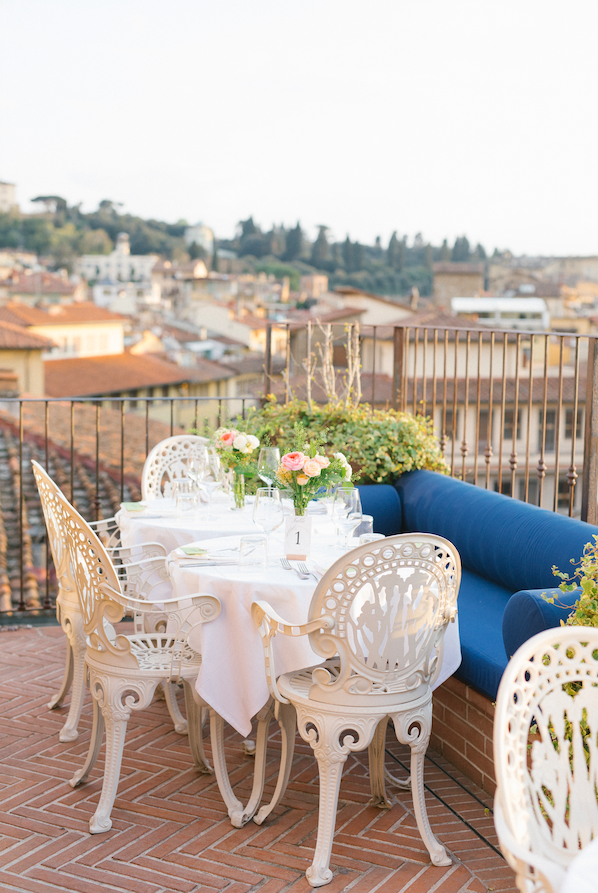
507	547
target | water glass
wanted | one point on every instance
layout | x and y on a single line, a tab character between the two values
267	463
268	512
366	526
370	538
253	553
185	496
346	512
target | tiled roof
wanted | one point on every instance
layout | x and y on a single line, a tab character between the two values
38	284
98	376
59	314
350	292
17	338
454	267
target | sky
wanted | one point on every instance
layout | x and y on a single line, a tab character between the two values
444	117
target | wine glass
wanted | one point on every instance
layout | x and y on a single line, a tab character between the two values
212	478
268	512
346	512
267	463
196	464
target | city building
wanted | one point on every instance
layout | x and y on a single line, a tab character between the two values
119	265
529	314
32	287
21	361
453	280
75	330
8	197
201	235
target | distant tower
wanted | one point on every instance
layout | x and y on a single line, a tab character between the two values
202	235
123	245
8	198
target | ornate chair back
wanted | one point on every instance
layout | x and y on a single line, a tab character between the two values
547	794
384	608
168	460
48	494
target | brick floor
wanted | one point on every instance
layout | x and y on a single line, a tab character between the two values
170	830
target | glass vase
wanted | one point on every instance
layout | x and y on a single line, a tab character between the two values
238	491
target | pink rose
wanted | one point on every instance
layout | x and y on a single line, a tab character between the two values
322	461
311	468
227	438
293	461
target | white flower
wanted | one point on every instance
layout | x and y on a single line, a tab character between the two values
347	470
241	444
253	441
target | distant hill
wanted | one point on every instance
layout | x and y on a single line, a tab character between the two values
62	233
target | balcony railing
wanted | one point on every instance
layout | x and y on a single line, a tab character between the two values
513	411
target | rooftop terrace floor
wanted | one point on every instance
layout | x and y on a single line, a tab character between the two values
170	828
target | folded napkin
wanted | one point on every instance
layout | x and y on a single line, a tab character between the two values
193	550
133	506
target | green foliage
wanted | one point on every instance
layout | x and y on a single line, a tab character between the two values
279	271
380	444
585	611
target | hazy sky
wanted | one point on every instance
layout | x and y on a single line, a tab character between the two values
439	116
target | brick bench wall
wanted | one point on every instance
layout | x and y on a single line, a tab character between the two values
462	730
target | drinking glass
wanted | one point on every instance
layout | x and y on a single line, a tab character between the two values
253	552
366	526
213	476
267	463
185	497
268	512
196	464
346	512
370	538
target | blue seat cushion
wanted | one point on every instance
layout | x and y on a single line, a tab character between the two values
502	539
383	503
481	606
527	613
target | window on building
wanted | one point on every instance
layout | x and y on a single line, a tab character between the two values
165	390
505	486
569	424
133	402
508	424
483	434
548	431
532	490
563	494
448	425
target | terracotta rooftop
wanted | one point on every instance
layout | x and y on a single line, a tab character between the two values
59	314
453	267
15	337
38	284
349	291
97	376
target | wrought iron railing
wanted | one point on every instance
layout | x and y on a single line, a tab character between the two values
514	411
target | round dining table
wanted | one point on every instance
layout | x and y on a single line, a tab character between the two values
232	677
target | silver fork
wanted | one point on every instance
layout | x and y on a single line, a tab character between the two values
286	564
305	570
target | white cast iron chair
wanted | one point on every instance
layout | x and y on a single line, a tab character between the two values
546	807
141	571
379	616
168	460
125	670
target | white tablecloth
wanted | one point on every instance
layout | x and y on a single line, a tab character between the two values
582	874
232	677
160	523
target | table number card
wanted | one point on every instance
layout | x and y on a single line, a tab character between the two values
297	536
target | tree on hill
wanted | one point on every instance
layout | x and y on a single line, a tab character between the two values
347	251
320	249
461	252
396	252
445	251
294	243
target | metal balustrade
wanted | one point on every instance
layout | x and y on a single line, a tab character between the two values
513	411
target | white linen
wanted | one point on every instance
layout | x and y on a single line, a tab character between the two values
232	678
160	524
582	874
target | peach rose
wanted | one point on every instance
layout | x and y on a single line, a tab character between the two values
311	468
322	461
227	438
293	461
302	480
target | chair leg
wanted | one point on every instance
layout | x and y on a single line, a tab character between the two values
287	722
330	765
116	728
69	731
67	678
233	805
376	760
178	720
195	722
264	718
414	729
97	735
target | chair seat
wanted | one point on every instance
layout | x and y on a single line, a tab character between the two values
295	687
153	653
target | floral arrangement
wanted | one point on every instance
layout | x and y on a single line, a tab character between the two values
235	449
307	473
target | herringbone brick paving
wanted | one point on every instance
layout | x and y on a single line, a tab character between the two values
170	830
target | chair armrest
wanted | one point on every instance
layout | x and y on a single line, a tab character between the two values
269	623
136	554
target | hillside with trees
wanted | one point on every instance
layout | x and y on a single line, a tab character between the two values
63	232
